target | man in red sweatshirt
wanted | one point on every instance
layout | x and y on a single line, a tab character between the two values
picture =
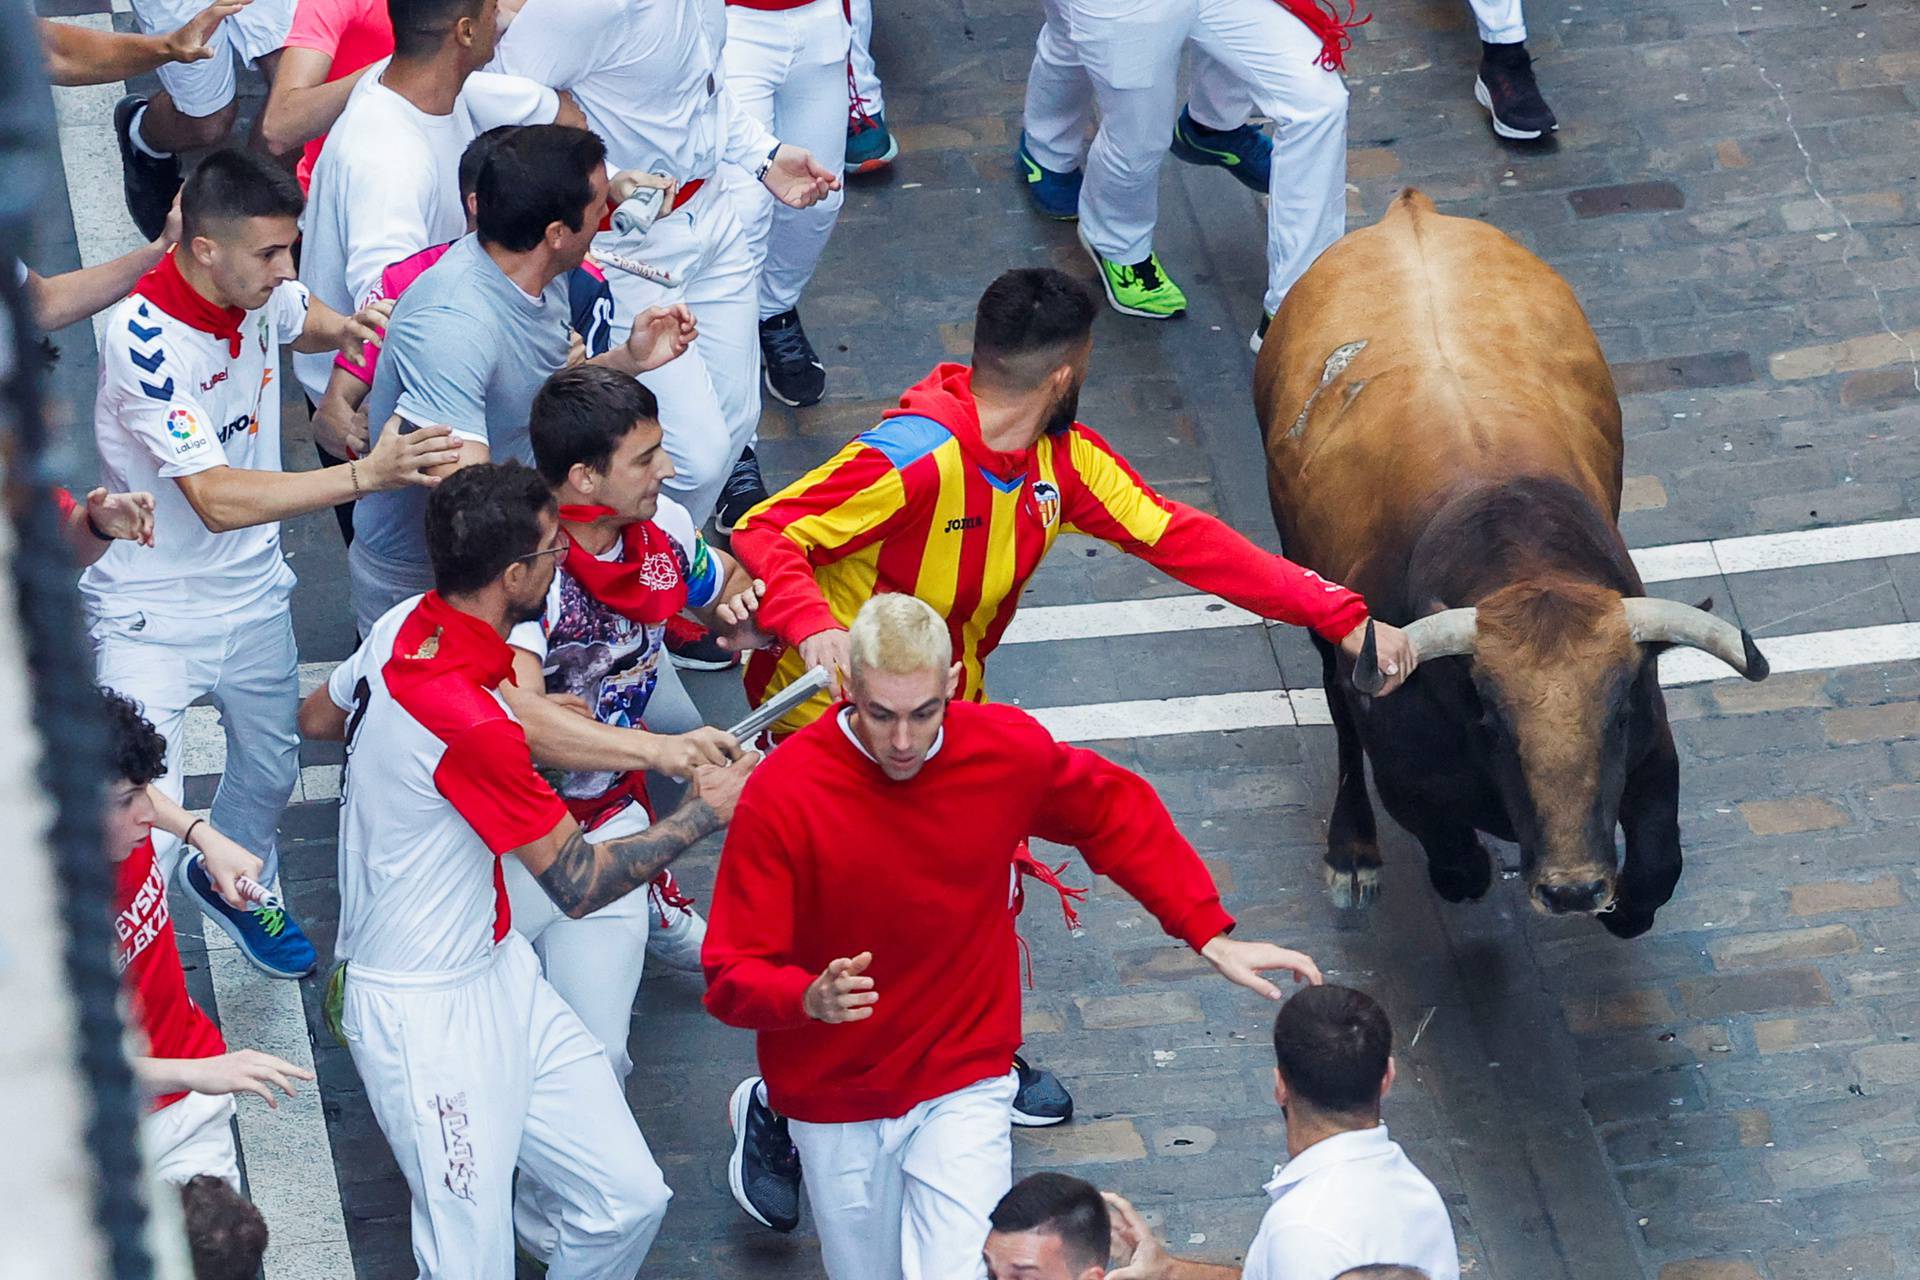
888	1018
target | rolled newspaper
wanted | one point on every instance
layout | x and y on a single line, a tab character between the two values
794	695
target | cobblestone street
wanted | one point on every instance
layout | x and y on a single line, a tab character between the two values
1735	1095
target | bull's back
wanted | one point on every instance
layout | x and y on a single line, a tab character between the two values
1418	356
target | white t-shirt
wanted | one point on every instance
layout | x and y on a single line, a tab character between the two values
1349	1201
605	658
439	783
173	401
645	76
387	185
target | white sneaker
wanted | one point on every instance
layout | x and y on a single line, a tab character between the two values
678	931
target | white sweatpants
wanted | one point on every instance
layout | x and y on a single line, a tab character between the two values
908	1198
709	397
788	69
475	1072
191	1136
245	660
866	77
201	88
1500	21
595	963
1131	52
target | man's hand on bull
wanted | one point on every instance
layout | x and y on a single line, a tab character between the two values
1396	653
1242	962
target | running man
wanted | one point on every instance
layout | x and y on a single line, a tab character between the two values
956	498
861	926
474	1065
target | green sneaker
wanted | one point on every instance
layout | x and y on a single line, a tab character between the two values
1141	289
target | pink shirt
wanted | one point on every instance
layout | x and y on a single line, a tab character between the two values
354	33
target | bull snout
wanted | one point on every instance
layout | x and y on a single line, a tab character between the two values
1573	897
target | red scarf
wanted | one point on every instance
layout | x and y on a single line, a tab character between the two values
167	289
1331	28
645	585
436	633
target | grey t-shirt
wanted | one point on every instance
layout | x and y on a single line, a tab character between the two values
466	348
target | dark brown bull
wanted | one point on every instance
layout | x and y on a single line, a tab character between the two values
1443	435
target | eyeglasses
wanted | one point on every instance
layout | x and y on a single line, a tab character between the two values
558	548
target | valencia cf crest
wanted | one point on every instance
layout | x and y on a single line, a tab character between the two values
1046	499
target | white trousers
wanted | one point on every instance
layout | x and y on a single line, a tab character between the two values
788	70
908	1198
1500	21
201	88
709	397
595	963
245	660
191	1136
866	77
473	1073
1131	55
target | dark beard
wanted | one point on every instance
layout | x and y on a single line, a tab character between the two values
519	613
1065	411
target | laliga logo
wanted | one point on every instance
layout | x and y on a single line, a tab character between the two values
182	425
1046	497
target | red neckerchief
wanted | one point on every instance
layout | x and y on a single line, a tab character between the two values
167	289
645	585
1325	22
437	632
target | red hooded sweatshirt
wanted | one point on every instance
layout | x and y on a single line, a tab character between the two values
920	504
828	857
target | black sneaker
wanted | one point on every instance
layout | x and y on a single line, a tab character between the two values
764	1170
691	647
149	184
793	373
1041	1100
743	491
1507	89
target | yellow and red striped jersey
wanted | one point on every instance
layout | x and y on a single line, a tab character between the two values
920	504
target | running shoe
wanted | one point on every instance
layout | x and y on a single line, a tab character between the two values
1245	152
764	1170
1055	194
871	146
676	931
1507	89
789	367
743	491
1140	288
691	647
148	182
267	936
1041	1099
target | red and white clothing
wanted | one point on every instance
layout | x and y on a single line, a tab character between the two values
646	75
828	857
185	1134
353	34
786	65
387	185
472	1061
1248	53
186	386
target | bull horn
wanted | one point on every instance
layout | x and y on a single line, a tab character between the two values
1446	634
1654	621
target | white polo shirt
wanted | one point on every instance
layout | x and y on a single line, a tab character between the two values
174	401
1350	1201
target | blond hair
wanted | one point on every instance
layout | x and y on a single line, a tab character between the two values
898	634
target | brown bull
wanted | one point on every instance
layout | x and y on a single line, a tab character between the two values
1443	435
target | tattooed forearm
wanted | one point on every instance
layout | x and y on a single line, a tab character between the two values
585	877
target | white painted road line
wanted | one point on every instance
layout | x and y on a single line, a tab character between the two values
1871	540
1270	708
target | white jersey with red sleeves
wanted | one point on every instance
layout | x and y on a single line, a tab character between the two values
439	783
176	400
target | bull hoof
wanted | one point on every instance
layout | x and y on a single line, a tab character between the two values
1622	923
1465	880
1353	887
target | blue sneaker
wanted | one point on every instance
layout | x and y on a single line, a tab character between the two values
1245	152
265	935
1055	195
871	146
